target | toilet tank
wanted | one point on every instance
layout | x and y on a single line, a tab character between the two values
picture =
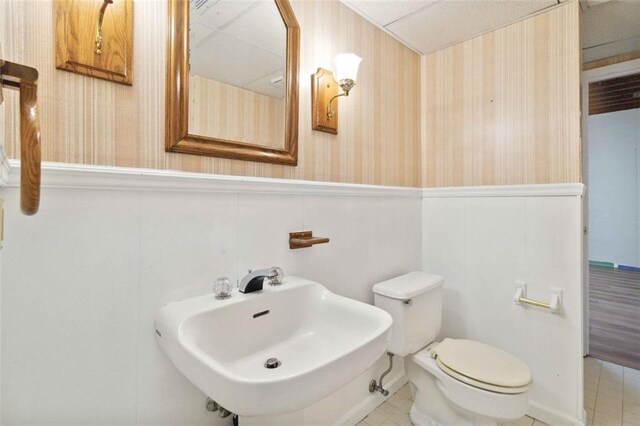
414	301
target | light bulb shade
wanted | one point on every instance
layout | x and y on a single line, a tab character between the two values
347	66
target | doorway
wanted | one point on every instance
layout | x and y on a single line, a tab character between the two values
611	105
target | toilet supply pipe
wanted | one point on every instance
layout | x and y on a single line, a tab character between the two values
377	386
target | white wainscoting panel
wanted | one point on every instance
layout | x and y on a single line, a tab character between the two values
83	279
482	242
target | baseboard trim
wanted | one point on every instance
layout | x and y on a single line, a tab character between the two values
552	416
371	402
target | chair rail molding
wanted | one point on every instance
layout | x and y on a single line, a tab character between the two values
63	175
534	190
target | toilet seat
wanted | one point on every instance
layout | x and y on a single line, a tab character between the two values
482	366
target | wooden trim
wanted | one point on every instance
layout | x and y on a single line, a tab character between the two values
177	137
293	65
611	60
616	94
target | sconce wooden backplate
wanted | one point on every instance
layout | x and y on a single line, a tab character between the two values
81	34
323	88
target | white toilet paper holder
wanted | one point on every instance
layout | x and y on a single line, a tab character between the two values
554	305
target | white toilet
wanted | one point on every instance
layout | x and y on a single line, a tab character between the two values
454	382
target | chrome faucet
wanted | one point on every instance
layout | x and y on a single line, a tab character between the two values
254	280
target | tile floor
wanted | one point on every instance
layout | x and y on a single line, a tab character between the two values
395	412
611	398
611	394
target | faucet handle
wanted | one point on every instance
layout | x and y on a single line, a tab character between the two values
222	288
276	274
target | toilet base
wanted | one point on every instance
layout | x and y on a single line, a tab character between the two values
431	408
418	418
440	399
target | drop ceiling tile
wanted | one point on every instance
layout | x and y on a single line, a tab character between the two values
262	26
265	86
197	8
384	12
199	33
232	61
220	13
608	22
452	21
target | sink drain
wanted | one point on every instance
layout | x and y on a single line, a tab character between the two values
272	363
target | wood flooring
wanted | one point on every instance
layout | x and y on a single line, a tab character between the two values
614	316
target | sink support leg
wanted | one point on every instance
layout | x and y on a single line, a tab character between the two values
377	386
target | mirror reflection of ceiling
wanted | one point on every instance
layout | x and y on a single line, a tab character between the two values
609	27
239	42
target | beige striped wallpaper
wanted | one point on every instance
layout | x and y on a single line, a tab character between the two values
90	121
504	108
222	111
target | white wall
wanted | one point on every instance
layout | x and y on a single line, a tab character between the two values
83	279
614	184
483	240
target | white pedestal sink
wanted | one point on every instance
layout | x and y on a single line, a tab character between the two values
321	340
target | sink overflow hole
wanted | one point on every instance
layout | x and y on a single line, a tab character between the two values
259	314
272	363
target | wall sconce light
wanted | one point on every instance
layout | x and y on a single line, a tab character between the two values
324	91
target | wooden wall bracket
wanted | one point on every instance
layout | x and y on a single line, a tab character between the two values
25	80
304	239
323	89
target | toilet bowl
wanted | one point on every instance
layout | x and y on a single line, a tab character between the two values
456	381
444	396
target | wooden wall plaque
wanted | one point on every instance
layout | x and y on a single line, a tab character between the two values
95	37
323	89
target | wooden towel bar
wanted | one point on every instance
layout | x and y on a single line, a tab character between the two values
25	80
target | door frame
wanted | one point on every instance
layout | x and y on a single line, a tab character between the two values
589	76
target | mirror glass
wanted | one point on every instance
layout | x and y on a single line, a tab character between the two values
237	71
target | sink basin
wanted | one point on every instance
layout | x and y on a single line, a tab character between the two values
321	340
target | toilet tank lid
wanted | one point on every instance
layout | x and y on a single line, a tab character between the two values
409	285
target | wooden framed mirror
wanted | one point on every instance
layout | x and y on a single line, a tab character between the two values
232	80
